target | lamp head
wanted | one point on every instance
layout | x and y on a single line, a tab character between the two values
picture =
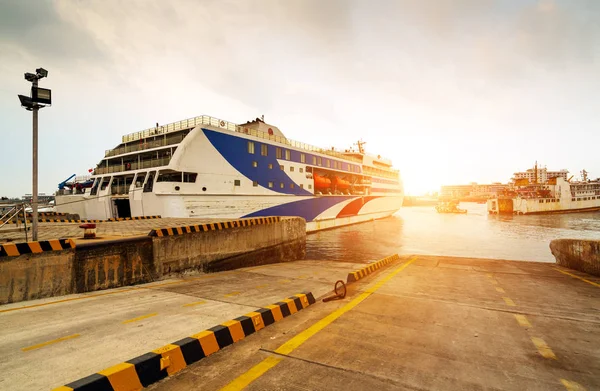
31	77
41	72
26	102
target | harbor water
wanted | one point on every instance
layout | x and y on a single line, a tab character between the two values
421	230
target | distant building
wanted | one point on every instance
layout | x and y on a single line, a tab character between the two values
542	175
43	198
473	190
456	191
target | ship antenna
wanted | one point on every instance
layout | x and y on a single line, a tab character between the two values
360	144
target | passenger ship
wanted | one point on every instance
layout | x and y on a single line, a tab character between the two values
557	195
210	168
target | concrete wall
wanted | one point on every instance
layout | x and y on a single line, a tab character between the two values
34	276
231	248
99	265
113	263
582	255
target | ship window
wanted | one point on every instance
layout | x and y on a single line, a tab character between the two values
291	169
319	161
139	180
302	186
281	167
291	185
105	182
278	153
302	158
541	201
264	149
255	164
309	186
190	177
288	155
148	186
95	187
236	182
255	183
281	185
169	176
328	163
251	147
572	199
270	185
270	166
314	160
301	169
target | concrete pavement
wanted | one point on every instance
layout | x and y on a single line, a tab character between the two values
50	342
439	323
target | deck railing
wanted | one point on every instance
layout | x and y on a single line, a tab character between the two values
133	166
207	120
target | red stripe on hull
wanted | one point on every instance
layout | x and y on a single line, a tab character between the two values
354	207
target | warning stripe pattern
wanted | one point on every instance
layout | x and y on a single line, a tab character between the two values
86	221
156	365
16	249
365	271
173	231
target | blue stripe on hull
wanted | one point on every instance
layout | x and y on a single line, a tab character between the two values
307	208
235	150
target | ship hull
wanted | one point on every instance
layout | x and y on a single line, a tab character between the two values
320	212
515	206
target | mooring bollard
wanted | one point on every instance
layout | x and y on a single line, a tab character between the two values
89	231
339	290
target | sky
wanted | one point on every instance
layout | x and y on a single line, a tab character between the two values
452	91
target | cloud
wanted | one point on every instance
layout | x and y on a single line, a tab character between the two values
39	30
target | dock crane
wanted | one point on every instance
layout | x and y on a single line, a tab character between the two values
61	185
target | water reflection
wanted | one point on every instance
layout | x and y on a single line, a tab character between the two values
421	230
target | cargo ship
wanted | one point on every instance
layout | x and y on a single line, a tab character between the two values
206	167
556	195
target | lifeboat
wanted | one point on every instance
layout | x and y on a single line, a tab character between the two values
321	182
341	184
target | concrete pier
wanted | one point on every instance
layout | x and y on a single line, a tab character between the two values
419	322
433	323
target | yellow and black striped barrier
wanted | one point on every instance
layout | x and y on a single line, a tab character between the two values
133	218
85	220
173	231
48	214
156	365
365	271
16	249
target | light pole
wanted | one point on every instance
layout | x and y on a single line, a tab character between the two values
39	98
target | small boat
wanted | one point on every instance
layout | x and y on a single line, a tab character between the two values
449	207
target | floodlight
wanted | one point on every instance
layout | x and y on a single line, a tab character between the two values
41	95
41	72
26	102
30	77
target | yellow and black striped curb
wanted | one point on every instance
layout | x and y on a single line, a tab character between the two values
365	271
151	367
16	249
173	231
133	218
87	221
48	214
